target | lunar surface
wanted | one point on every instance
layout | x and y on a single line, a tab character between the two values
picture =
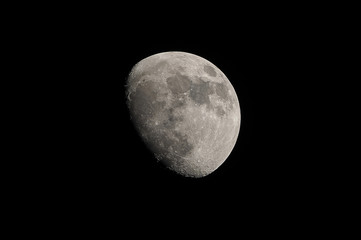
185	110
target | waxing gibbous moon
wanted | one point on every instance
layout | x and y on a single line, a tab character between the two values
185	110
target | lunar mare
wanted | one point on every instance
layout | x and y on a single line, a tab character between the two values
185	110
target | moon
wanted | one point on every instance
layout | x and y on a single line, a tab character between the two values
185	110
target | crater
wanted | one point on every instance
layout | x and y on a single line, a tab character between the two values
177	149
210	70
182	147
219	111
169	141
178	83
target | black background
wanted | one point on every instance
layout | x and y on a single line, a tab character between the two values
100	167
